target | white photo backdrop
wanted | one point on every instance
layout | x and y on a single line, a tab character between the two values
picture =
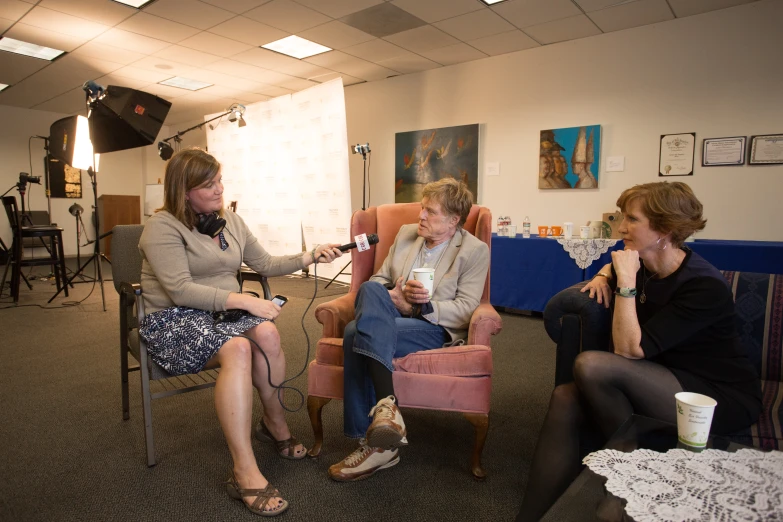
288	170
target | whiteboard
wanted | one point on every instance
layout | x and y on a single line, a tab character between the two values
153	198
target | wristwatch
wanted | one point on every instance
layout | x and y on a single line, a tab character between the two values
624	291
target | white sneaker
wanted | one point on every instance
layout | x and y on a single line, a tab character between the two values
387	429
363	463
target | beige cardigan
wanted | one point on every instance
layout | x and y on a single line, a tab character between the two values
183	267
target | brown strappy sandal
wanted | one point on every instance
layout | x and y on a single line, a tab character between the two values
285	448
262	497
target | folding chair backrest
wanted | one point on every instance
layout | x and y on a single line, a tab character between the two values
126	258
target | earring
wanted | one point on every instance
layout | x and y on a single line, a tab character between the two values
658	244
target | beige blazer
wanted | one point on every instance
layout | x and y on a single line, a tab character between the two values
459	277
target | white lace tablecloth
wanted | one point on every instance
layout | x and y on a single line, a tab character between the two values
585	251
682	485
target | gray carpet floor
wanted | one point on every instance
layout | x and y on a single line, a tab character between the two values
67	455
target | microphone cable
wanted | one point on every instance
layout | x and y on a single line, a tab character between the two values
284	384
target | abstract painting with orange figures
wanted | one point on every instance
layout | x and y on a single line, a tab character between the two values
568	158
429	155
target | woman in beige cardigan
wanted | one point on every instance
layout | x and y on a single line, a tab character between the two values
191	252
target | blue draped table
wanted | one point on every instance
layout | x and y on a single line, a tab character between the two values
526	272
765	257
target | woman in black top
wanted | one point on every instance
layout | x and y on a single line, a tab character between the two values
673	330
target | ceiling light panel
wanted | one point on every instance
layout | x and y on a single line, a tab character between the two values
296	47
28	49
185	83
3	86
492	2
138	4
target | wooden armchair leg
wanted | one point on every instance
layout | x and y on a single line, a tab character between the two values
314	407
480	421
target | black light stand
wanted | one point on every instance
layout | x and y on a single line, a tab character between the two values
97	255
364	150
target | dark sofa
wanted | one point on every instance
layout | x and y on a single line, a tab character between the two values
576	323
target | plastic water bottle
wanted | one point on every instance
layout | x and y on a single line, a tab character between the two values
526	227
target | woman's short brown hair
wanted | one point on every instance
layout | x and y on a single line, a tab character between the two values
672	208
186	170
454	197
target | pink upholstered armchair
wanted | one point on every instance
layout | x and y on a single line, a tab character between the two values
452	379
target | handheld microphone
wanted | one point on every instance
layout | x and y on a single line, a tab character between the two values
371	239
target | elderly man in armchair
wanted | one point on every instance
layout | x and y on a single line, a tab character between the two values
394	316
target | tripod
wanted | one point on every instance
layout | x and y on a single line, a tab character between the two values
364	150
97	256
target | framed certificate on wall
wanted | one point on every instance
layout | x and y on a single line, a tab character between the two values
722	152
676	155
766	149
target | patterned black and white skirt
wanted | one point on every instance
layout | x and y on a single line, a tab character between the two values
182	340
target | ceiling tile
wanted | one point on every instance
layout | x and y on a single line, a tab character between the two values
215	44
155	27
96	66
158	64
46	84
13	9
221	91
375	50
237	6
347	80
336	35
345	63
67	103
5	23
431	11
15	67
131	41
265	58
167	92
474	25
248	31
287	15
642	12
274	91
524	13
452	54
45	37
237	69
562	30
226	79
180	54
114	79
302	69
422	39
107	13
409	63
64	23
252	97
594	5
144	75
382	20
504	43
339	8
108	52
691	7
189	12
298	84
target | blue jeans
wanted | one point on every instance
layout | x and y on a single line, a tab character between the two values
381	332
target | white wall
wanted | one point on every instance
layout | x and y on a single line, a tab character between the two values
121	173
715	74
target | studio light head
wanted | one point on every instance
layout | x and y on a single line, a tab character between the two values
237	111
165	150
75	209
360	149
24	177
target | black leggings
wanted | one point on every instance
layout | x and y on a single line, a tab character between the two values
607	389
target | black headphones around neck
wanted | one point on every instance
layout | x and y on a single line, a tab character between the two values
210	224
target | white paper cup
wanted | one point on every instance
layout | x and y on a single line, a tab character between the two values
426	276
568	230
694	418
512	230
584	232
